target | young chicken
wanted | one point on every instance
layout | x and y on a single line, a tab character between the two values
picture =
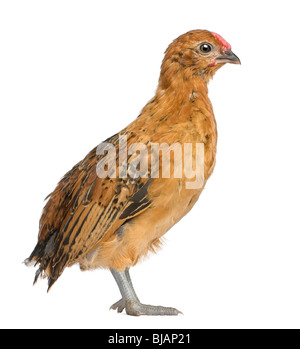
111	221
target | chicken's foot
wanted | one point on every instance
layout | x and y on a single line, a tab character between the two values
130	301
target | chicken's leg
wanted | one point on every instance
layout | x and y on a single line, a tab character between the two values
130	301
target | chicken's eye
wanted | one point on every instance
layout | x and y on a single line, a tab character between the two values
205	48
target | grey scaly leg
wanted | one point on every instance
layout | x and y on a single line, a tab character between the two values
130	283
130	301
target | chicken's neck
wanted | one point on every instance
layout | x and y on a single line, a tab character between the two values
183	96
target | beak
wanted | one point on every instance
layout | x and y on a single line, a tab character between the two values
228	57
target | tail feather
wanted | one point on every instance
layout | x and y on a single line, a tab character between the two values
42	256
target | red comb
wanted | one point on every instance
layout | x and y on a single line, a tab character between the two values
223	42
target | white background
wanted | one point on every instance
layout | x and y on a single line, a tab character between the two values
73	73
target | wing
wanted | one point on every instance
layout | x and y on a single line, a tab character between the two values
85	210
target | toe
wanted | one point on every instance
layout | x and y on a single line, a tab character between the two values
135	308
119	306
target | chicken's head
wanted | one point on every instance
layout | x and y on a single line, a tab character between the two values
198	52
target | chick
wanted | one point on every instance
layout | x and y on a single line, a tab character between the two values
114	206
